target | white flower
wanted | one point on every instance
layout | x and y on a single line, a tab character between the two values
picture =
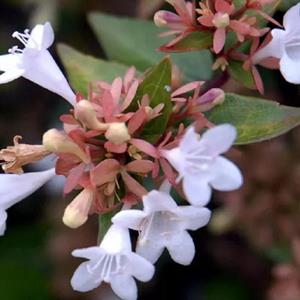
163	224
200	165
35	63
285	45
112	262
14	188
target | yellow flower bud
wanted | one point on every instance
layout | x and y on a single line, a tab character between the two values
86	114
56	141
117	133
76	213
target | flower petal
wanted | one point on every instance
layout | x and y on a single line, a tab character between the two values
83	280
14	188
150	249
92	253
9	62
124	286
11	75
3	217
181	248
291	20
189	140
219	40
194	217
140	268
227	176
129	218
275	48
41	36
290	69
116	240
43	70
158	201
218	139
197	191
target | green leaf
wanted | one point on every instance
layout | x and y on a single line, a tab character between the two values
238	73
104	222
195	41
135	42
83	69
155	85
255	119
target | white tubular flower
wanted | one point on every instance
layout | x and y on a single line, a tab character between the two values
112	262
200	165
163	224
285	45
35	63
14	188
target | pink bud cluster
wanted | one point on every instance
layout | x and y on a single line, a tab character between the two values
102	151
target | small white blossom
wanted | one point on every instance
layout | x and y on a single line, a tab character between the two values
163	224
112	262
200	166
35	62
285	45
14	188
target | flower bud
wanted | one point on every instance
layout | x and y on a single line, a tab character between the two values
86	114
117	133
165	18
221	20
76	213
55	141
210	99
159	19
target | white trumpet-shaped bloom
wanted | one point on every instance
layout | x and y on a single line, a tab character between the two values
14	188
285	45
163	224
200	166
112	262
35	62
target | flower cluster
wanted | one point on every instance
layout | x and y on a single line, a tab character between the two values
107	158
232	29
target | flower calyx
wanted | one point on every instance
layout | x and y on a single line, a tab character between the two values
15	157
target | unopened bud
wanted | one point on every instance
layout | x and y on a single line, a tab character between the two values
164	18
221	20
159	19
117	133
210	99
86	114
76	213
57	142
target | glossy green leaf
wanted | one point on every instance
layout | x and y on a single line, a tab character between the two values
83	69
135	42
238	73
156	85
255	119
